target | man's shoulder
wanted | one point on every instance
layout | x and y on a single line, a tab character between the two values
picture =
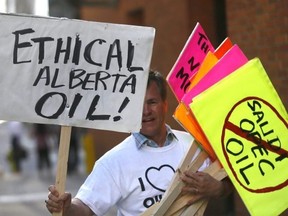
183	136
181	133
119	153
126	145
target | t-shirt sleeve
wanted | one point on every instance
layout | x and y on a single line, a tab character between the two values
99	191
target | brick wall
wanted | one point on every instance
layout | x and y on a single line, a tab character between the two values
259	27
173	21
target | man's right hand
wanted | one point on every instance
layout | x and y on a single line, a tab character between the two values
57	203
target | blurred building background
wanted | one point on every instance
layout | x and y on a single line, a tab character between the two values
259	27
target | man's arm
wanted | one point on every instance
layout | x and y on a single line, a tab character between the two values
69	206
202	185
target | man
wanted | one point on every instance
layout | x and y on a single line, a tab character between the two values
135	174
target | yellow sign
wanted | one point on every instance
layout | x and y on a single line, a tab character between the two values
245	121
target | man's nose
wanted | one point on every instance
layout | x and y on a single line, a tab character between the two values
146	109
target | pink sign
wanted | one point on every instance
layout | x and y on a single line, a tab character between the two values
231	61
189	61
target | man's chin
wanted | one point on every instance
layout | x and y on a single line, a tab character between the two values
146	132
147	127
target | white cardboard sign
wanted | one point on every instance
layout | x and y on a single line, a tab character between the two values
73	73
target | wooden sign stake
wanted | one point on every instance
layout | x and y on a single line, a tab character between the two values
174	204
62	161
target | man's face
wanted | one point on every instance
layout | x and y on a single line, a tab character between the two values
154	111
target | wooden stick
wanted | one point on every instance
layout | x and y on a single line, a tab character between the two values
180	204
189	155
150	211
197	209
216	171
183	165
62	161
167	201
190	210
172	203
202	209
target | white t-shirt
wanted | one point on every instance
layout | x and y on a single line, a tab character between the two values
133	178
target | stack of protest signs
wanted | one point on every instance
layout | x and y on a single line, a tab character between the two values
230	106
73	73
